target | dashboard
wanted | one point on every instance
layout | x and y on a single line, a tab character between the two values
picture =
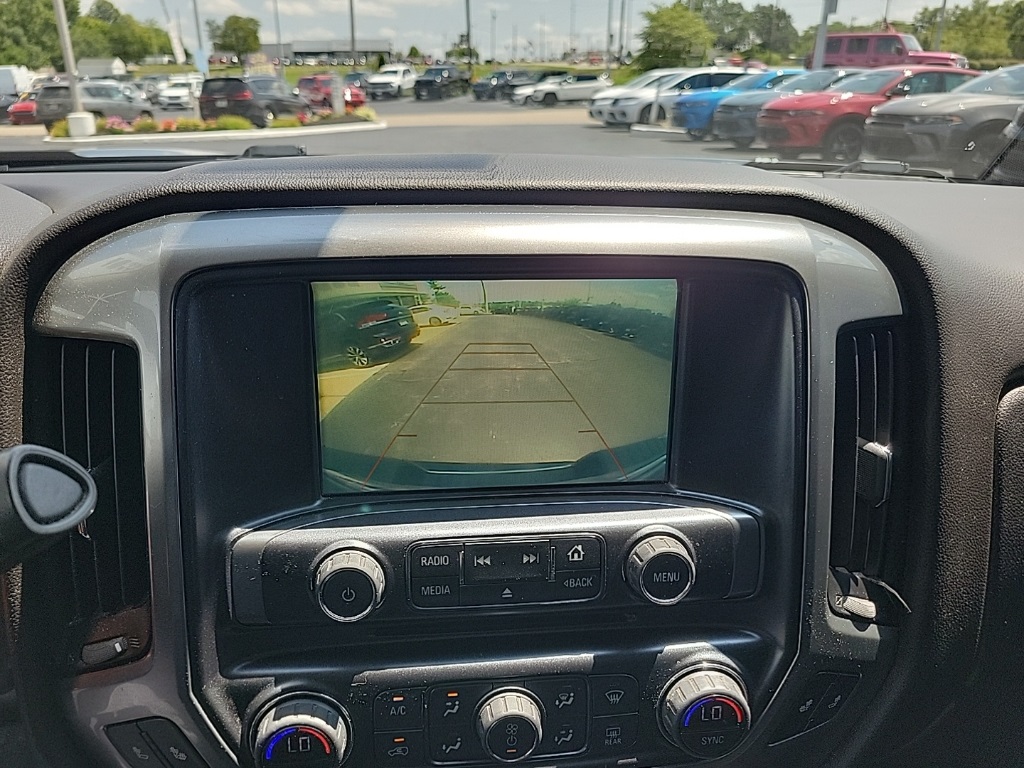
470	461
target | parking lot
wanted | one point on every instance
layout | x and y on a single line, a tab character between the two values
499	390
459	125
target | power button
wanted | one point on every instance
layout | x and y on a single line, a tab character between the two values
349	584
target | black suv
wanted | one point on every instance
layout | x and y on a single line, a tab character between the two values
441	83
260	98
498	85
358	334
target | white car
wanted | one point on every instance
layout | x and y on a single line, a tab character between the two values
602	100
569	88
391	80
434	314
635	106
522	94
177	94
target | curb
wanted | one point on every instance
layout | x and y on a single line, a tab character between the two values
644	128
255	133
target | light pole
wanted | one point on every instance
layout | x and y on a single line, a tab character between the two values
277	30
937	45
494	27
572	29
608	50
542	51
200	55
80	122
818	59
622	27
352	32
469	41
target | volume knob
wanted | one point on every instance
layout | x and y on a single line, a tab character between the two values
660	569
349	585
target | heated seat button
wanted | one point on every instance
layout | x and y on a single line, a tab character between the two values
835	697
398	710
614	694
398	749
129	741
171	743
797	712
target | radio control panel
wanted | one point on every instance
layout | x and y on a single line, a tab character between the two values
659	557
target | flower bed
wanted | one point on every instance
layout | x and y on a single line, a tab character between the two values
114	126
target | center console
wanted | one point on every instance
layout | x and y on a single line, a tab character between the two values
479	487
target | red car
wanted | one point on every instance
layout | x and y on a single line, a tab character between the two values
23	111
832	121
319	90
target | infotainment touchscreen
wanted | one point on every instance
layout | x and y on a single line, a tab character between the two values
493	383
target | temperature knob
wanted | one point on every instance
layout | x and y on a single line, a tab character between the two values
660	569
706	713
509	724
301	733
349	585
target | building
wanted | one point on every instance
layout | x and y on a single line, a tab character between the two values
329	51
96	68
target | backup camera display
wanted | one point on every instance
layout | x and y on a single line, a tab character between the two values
472	384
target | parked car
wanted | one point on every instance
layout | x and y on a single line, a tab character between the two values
102	98
883	49
441	83
636	106
522	78
391	80
832	122
152	84
521	94
601	101
938	130
176	94
570	88
498	84
260	98
6	100
472	309
360	334
694	110
736	117
321	91
23	111
434	314
358	79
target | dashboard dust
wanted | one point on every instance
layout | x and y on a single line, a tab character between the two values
488	383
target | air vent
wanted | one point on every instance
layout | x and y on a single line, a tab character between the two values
94	415
863	460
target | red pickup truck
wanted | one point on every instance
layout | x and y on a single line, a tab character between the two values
883	49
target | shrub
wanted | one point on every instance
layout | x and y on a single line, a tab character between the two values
101	125
287	122
59	130
168	126
365	113
145	125
233	123
187	125
114	125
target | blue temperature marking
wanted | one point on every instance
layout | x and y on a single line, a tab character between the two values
277	738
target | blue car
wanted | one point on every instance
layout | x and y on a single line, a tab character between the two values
694	111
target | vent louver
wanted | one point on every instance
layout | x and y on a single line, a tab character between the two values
100	426
863	458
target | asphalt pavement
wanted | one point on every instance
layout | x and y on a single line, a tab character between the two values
459	125
501	390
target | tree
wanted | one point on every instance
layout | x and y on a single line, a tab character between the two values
238	35
673	35
461	53
730	22
104	10
1014	13
773	27
978	31
414	53
91	38
30	33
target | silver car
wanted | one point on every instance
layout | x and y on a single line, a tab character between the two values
103	99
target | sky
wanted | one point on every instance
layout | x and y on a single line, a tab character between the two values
431	25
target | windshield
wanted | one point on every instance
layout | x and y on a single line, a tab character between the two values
512	84
866	82
1005	82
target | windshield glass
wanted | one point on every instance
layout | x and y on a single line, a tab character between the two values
866	82
511	83
1005	82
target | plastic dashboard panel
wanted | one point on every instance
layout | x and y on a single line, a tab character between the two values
140	269
958	290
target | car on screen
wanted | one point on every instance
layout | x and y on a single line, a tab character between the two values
434	314
359	334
